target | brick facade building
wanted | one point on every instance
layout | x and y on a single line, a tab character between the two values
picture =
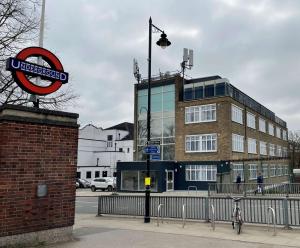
211	131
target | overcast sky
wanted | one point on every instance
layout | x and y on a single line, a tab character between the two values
254	44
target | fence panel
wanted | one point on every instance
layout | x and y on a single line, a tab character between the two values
254	209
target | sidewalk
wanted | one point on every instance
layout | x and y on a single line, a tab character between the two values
115	232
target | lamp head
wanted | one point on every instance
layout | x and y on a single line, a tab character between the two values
163	42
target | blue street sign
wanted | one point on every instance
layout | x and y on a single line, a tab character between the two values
155	157
151	150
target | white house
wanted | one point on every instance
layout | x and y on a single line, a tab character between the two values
100	149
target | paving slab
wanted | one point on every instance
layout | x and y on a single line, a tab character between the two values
92	231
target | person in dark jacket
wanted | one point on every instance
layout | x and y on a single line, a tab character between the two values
238	181
260	181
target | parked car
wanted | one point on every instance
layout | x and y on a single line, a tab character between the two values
83	183
104	183
77	185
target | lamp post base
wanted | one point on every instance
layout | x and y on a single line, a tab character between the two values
147	206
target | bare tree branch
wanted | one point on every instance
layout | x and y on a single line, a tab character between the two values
19	26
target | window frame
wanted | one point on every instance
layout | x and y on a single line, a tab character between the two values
196	114
236	143
237	114
265	146
260	125
199	173
252	144
198	140
251	122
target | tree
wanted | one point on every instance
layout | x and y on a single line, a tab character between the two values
19	26
294	149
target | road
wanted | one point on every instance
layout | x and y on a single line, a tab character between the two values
86	205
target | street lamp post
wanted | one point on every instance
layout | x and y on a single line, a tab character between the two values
162	42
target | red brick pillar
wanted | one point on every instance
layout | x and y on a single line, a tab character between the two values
38	154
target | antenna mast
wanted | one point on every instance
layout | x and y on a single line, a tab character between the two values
136	71
187	63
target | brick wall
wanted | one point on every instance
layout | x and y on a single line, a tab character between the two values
36	147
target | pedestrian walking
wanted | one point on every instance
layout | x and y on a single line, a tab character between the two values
260	181
238	182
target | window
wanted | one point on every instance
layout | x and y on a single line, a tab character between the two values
286	170
202	113
236	114
278	132
201	143
128	150
271	129
120	149
97	174
263	148
284	136
284	152
262	125
279	170
272	170
279	151
251	120
109	141
271	149
88	174
251	145
78	174
238	169
237	143
201	173
104	173
252	171
265	170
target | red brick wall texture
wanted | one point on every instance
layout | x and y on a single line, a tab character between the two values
32	154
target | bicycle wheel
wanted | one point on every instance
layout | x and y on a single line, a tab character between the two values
239	223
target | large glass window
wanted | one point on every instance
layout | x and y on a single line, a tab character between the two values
271	129
262	125
252	146
238	169
278	132
263	148
252	171
135	180
284	135
201	173
272	170
162	124
272	150
265	170
201	143
251	120
237	143
236	114
202	113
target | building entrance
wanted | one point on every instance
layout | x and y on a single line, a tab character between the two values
170	180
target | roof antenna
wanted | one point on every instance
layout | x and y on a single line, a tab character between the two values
187	63
136	71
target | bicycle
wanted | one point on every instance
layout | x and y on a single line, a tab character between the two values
237	215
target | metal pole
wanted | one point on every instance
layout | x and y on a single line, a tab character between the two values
39	59
147	191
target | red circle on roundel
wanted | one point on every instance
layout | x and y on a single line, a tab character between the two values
50	58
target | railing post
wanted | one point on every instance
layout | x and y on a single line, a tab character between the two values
99	206
286	213
206	202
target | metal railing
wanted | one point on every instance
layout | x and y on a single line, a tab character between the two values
255	209
251	189
272	211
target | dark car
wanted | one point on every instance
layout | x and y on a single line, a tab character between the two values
83	183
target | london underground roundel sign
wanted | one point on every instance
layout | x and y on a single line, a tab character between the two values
21	69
